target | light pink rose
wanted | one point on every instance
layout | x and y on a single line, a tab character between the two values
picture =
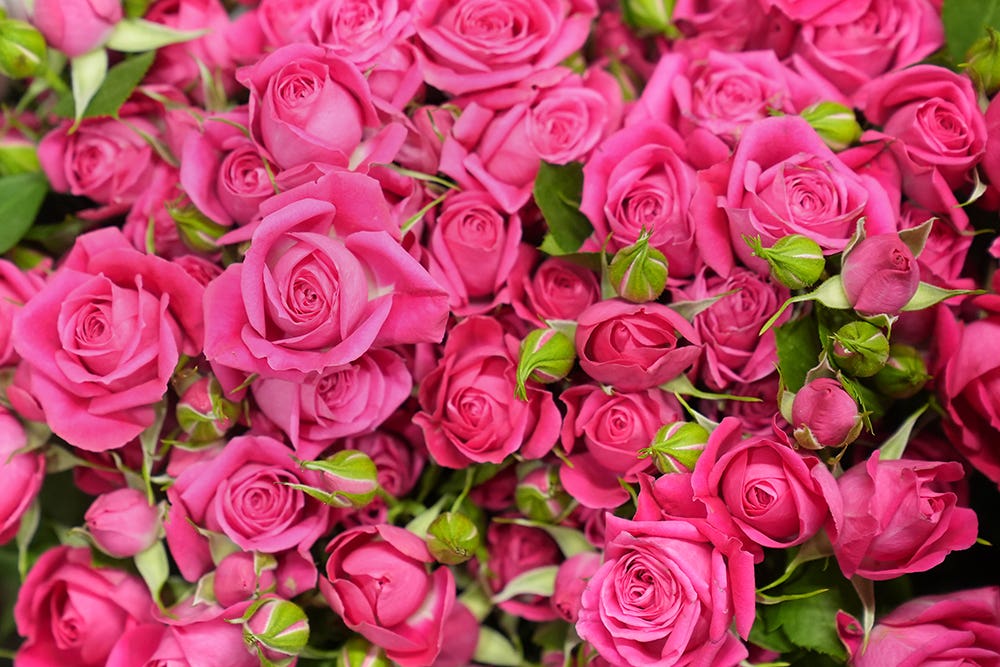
899	518
880	275
22	474
635	346
469	411
71	613
666	595
122	522
100	342
377	581
325	279
550	288
242	493
76	26
473	45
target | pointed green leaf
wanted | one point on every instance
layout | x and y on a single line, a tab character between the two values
539	581
682	385
893	448
21	197
495	649
89	71
690	309
915	238
25	534
557	192
133	35
928	295
154	568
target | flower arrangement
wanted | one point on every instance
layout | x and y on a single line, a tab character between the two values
551	333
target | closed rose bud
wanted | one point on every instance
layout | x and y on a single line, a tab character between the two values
277	629
123	523
539	495
650	15
203	413
796	261
984	61
236	579
904	374
350	479
676	447
547	355
358	652
860	348
638	272
571	579
22	49
880	275
453	538
835	123
825	415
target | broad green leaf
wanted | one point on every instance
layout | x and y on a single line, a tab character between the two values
557	192
495	649
965	21
154	568
134	35
798	350
21	197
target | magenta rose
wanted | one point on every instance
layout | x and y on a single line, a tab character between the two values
513	551
825	415
76	26
22	474
243	493
71	613
775	495
899	519
99	343
880	275
325	279
377	580
555	288
666	595
819	12
473	45
571	580
122	523
469	410
730	25
635	346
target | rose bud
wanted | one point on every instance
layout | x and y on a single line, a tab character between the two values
825	415
547	355
277	629
676	447
796	261
984	62
123	523
350	479
860	348
203	413
539	495
571	579
22	49
76	26
237	579
880	275
357	652
835	123
453	538
639	272
904	374
649	15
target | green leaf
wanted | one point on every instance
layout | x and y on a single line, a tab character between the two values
893	448
539	581
495	649
154	568
420	523
682	385
927	295
134	35
965	21
798	350
116	87
21	197
557	192
690	309
25	534
89	71
570	541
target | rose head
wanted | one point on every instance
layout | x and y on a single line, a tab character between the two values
76	26
880	275
557	289
122	522
825	415
514	550
22	474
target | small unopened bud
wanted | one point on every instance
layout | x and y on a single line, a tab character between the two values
796	261
358	652
880	275
676	447
835	123
904	374
860	349
453	538
825	415
203	413
350	479
983	62
277	628
196	230
638	273
539	495
122	523
22	49
650	15
547	355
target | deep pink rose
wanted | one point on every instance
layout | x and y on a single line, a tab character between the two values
571	580
514	550
16	288
819	12
961	628
307	105
22	474
991	158
666	596
76	26
377	580
469	411
784	180
711	26
238	578
71	613
553	288
325	279
898	518
100	342
880	275
825	415
635	346
775	495
242	493
122	522
473	45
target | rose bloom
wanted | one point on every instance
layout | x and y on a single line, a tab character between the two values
76	26
16	288
99	343
898	519
22	474
553	288
377	580
514	550
732	26
325	279
72	613
666	595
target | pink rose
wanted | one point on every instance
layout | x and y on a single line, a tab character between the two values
825	415
377	580
730	25
635	346
514	550
469	411
360	30
899	519
71	613
776	496
880	275
76	26
100	342
819	12
473	45
325	279
122	523
666	595
553	288
571	580
244	494
16	288
22	474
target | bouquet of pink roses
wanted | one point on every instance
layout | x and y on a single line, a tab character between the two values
497	332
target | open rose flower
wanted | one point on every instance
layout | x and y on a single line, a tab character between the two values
554	288
22	474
